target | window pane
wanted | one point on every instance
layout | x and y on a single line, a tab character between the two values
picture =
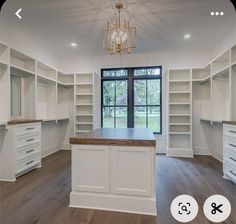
108	117
153	92
121	93
122	72
148	71
140	92
121	117
140	117
108	93
153	71
108	73
138	72
154	119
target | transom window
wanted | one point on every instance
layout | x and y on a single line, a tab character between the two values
131	97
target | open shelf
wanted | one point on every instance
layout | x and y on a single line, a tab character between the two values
84	78
179	87
22	61
220	63
67	79
181	141
183	98
221	97
182	128
84	90
179	109
201	73
179	74
84	119
22	94
205	100
3	54
46	71
46	100
64	101
4	94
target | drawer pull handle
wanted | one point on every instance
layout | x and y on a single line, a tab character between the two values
29	129
232	159
232	173
30	162
233	145
233	132
30	151
30	140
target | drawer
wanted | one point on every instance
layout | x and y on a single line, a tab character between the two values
230	144
25	129
230	131
230	171
27	151
26	140
27	163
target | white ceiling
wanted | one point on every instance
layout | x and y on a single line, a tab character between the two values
161	24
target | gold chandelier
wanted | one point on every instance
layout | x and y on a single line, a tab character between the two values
119	38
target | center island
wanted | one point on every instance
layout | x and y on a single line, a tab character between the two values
114	169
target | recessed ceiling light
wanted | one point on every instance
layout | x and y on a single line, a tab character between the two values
217	13
212	13
73	44
221	13
187	36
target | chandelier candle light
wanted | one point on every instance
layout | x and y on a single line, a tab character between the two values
119	38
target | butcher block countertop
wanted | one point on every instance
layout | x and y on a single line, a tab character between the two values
23	121
116	136
230	122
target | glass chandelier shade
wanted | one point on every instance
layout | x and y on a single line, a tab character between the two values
119	38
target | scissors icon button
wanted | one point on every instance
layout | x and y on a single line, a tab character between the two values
216	208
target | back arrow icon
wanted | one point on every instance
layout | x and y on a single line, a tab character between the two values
18	13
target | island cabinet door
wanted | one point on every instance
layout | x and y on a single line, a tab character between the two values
90	168
132	170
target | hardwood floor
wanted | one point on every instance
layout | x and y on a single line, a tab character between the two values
42	196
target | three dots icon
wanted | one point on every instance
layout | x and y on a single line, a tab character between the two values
217	13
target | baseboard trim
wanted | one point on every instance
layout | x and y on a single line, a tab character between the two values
66	146
118	203
176	152
48	151
201	151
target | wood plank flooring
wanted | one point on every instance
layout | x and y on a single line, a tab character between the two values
42	196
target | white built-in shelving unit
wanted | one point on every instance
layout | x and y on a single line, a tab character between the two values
39	91
4	85
65	95
84	101
215	84
179	112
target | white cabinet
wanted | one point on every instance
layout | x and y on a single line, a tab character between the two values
125	165
229	152
90	161
21	150
117	178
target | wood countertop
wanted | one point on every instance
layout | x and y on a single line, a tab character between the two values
229	122
116	136
23	121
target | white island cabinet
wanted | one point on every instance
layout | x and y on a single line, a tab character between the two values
114	169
